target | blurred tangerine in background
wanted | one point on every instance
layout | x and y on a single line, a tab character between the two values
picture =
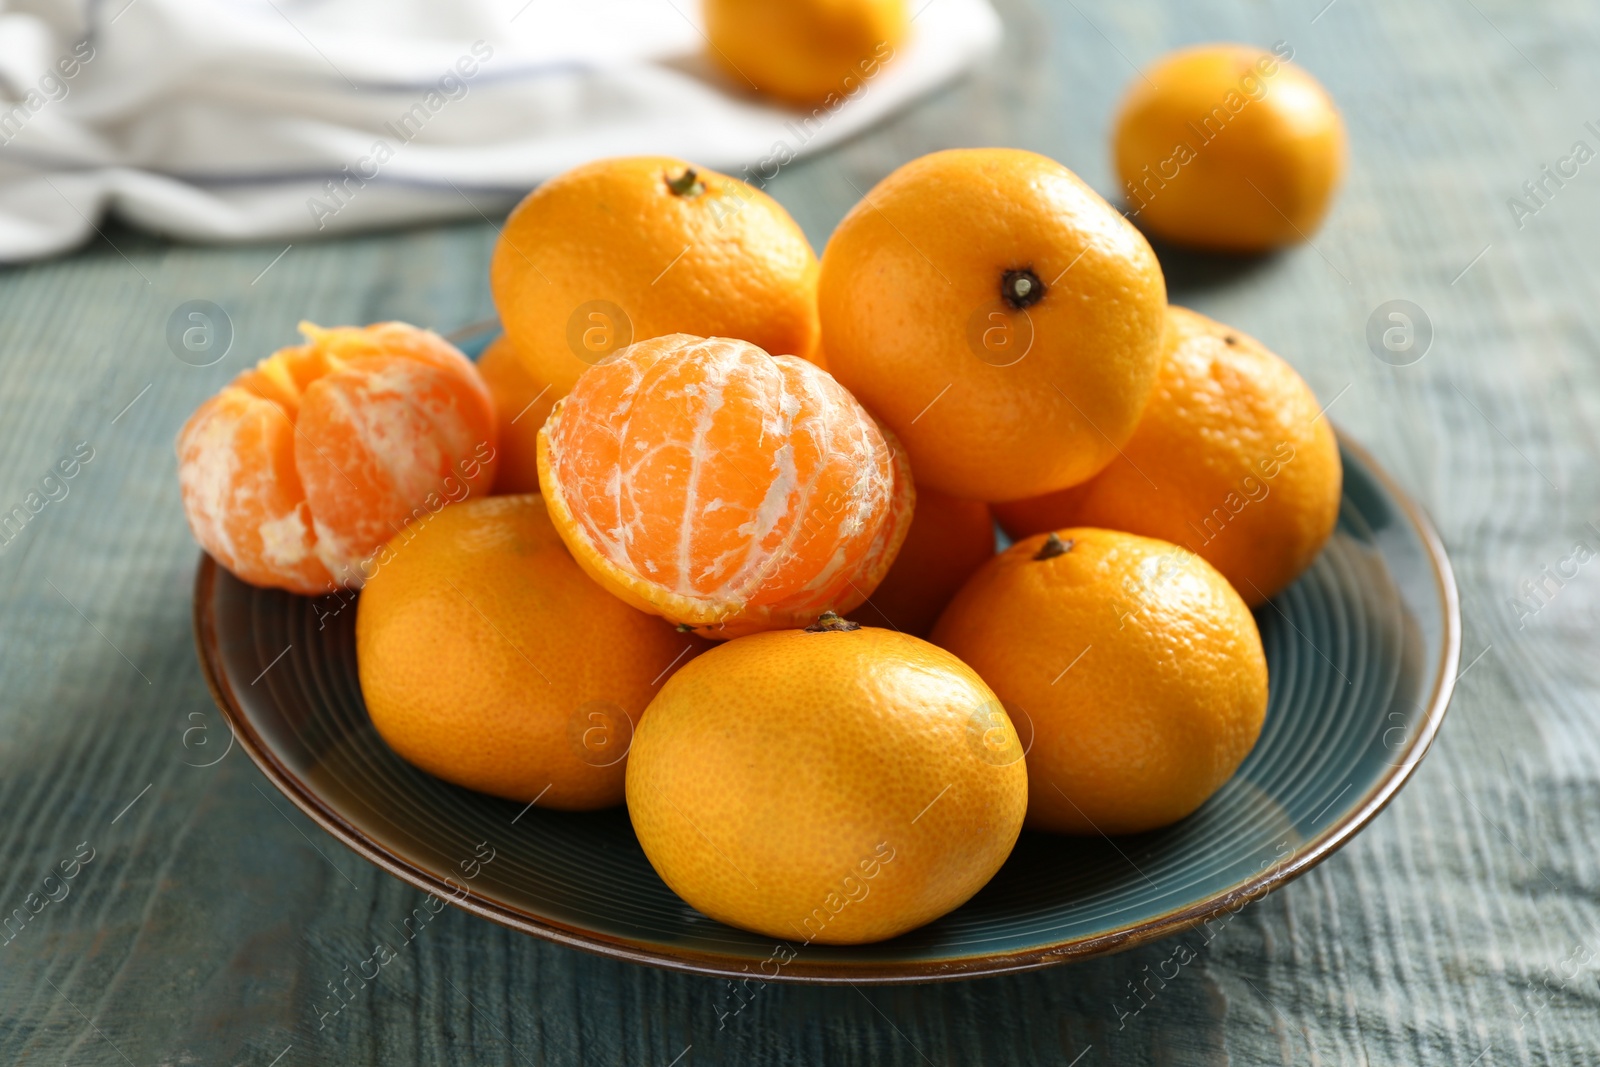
1230	147
805	52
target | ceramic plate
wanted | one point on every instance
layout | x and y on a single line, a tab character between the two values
1362	653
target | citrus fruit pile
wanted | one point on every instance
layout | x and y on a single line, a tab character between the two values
741	572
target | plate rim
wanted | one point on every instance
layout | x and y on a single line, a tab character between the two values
796	970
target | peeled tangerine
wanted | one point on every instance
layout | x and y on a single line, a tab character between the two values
721	488
301	468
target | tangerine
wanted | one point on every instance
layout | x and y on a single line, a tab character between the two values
949	539
722	488
623	250
805	51
489	659
1233	459
299	470
521	405
1231	147
1137	667
998	316
902	791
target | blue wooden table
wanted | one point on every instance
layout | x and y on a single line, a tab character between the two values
204	920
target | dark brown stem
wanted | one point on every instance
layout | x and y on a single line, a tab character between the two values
687	184
831	623
1021	288
1053	546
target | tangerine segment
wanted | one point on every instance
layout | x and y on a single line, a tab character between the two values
302	467
242	492
622	250
377	437
720	487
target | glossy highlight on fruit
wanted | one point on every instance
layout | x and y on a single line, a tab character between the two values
298	471
722	488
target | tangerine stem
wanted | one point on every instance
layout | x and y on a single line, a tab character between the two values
1021	288
687	184
1053	546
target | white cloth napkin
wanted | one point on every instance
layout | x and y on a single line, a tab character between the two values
222	120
